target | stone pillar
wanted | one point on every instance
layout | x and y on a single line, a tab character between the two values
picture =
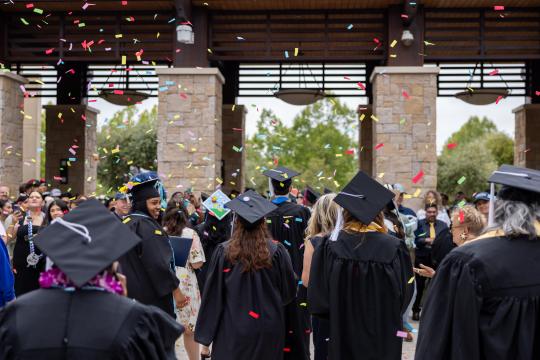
71	139
189	128
365	138
31	139
11	130
527	143
233	151
404	106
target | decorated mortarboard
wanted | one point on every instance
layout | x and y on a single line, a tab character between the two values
85	241
364	197
517	177
146	185
215	204
281	174
251	206
311	195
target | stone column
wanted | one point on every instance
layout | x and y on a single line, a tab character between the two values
365	138
31	139
527	142
11	130
189	128
404	107
233	151
70	146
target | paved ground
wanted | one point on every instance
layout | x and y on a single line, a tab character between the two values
407	354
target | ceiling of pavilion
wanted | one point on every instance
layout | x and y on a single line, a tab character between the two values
239	5
97	5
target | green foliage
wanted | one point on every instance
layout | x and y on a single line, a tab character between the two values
480	149
471	160
136	140
310	145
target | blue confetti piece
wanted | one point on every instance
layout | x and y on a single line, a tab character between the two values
169	83
286	54
72	159
350	26
298	219
287	243
163	88
300	282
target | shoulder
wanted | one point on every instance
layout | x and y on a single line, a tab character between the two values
371	246
441	223
187	232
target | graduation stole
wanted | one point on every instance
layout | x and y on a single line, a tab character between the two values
361	228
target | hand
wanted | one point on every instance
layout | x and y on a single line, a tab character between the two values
425	271
180	299
17	216
429	240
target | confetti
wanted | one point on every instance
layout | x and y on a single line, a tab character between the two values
451	146
401	334
350	26
226	270
253	314
461	180
393	43
461	216
418	177
410	280
158	232
498	7
378	146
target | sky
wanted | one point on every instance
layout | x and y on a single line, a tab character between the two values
452	113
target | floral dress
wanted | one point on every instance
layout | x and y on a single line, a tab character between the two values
187	316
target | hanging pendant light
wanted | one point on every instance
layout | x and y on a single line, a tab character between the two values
300	96
482	95
123	97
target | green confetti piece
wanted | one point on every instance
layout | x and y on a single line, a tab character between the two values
462	203
82	25
402	121
461	180
24	21
38	11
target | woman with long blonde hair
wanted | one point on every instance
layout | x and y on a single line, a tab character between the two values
321	223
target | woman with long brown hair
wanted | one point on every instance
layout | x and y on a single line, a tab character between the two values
250	279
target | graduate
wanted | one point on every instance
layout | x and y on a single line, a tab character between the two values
484	302
360	277
80	311
250	280
288	224
149	265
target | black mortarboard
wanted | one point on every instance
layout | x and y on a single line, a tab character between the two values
85	241
281	174
146	190
516	177
364	197
311	195
251	206
327	191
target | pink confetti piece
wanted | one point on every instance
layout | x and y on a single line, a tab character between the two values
498	7
118	92
418	177
494	72
401	334
405	95
451	146
49	51
254	315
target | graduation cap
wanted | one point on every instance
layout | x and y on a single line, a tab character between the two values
364	197
281	174
327	191
215	204
251	206
85	241
516	177
311	195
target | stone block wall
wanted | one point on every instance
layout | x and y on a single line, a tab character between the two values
31	139
189	128
527	136
365	137
233	131
404	104
72	127
11	131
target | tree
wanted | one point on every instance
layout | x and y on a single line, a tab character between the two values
501	146
466	168
124	142
320	143
474	129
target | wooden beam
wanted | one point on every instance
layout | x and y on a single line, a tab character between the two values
194	55
401	55
3	39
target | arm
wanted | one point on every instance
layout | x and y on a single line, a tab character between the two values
196	256
319	289
308	255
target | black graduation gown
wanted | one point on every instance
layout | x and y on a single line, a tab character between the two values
26	277
442	245
361	282
150	278
53	324
287	224
241	313
484	303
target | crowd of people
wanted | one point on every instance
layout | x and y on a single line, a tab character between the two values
260	276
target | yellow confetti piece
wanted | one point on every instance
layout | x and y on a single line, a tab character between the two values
303	304
393	43
158	35
374	118
362	117
124	59
219	181
59	115
114	151
339	155
295	51
393	55
88	179
407	196
233	107
417	192
210	51
411	280
118	36
130	162
380	176
158	232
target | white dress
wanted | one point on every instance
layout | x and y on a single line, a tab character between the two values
187	316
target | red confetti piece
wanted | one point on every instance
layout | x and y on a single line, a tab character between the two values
253	314
287	349
537	93
418	177
361	86
404	16
29	6
498	7
118	92
124	3
405	95
349	152
461	216
237	129
499	99
494	72
226	270
451	146
377	40
378	146
49	51
347	78
183	96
